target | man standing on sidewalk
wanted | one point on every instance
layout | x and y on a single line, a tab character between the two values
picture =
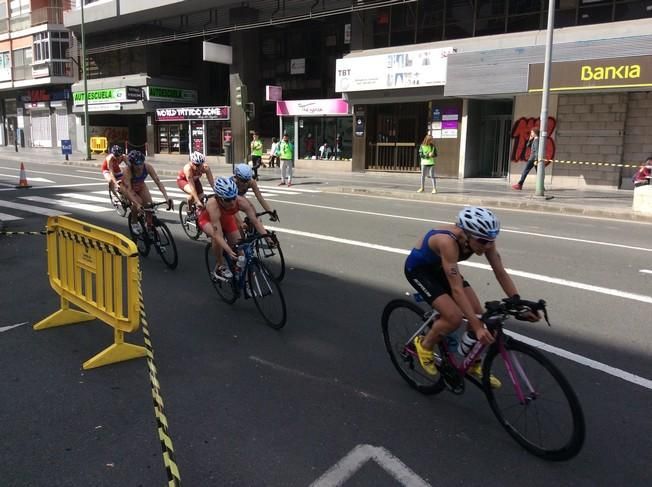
286	150
533	143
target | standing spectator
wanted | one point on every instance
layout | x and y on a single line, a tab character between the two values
310	146
533	144
427	154
644	174
286	150
256	153
338	147
273	153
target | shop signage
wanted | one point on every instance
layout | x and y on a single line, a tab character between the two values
273	93
315	108
197	135
359	126
134	93
38	95
170	95
104	107
426	67
111	95
594	74
192	113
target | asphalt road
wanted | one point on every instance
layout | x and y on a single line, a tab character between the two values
250	406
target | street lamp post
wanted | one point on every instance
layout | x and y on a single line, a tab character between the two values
86	128
543	124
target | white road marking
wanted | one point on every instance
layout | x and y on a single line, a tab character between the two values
7	218
30	179
32	209
99	174
607	369
67	204
74	185
285	189
361	454
527	275
86	197
447	222
87	172
645	271
11	327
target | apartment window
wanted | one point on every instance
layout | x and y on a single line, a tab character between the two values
41	47
5	66
22	59
19	7
3	9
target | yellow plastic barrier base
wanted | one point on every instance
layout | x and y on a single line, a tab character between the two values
118	352
64	316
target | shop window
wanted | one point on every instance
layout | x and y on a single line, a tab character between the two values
459	30
595	12
524	6
491	8
630	10
484	27
523	23
5	66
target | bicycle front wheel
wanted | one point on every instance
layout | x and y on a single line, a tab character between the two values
189	222
117	202
165	245
272	256
141	239
539	409
401	320
225	288
267	294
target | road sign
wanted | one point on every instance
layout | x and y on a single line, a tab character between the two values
66	147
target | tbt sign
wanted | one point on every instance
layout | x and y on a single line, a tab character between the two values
595	74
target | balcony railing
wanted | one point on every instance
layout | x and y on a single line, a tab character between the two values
20	22
47	15
52	68
22	72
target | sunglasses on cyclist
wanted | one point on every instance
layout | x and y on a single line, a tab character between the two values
484	241
228	200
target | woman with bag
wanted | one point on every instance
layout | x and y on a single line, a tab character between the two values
427	154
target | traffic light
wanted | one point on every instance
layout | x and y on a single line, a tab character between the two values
241	95
250	110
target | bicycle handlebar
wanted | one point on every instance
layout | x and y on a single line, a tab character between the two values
515	307
151	207
251	239
273	215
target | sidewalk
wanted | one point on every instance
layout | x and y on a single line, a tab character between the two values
496	193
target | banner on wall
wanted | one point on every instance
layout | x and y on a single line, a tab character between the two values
410	69
307	108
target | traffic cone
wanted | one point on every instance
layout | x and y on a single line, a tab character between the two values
22	184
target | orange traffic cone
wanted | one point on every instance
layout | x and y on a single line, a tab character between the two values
22	184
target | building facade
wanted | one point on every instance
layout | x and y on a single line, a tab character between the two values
35	74
467	73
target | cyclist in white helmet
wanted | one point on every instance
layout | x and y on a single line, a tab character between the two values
244	180
431	268
189	180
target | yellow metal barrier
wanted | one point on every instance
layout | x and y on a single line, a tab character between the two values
99	144
96	270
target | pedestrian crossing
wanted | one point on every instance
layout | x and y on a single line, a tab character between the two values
98	201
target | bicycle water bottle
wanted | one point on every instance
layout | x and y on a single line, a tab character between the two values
466	344
240	264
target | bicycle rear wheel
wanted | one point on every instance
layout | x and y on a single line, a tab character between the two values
225	288
401	320
267	294
164	244
117	202
549	421
141	240
189	225
272	256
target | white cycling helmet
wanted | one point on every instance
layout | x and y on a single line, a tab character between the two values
225	188
479	222
244	172
197	158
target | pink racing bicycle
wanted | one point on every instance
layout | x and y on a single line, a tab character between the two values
534	402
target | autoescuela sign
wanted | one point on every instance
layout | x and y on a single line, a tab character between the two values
594	74
192	113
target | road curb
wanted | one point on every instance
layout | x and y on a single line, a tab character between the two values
521	204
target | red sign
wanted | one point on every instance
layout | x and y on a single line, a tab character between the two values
521	133
273	93
38	95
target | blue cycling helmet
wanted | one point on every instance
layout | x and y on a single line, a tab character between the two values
197	158
479	222
225	188
116	150
136	157
244	172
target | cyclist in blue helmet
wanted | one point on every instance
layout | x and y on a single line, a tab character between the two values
220	221
431	268
244	180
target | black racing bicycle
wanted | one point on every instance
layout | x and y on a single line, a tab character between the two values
531	399
189	219
253	280
269	249
118	201
154	232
